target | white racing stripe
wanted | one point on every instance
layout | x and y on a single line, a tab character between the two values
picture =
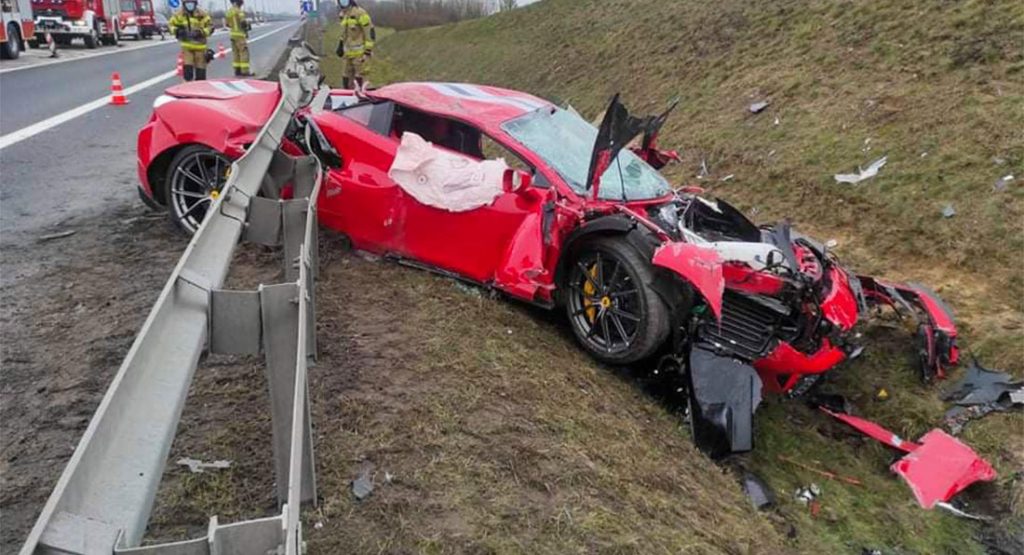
49	123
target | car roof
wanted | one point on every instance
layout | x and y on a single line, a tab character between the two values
484	106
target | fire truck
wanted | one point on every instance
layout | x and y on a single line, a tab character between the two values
17	28
93	21
137	19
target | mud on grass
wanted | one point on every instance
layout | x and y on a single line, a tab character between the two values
487	430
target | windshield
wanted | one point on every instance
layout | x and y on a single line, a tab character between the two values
565	141
145	7
127	5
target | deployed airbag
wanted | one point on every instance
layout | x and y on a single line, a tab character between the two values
444	179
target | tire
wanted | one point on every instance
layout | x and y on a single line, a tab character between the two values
12	48
194	178
92	40
613	313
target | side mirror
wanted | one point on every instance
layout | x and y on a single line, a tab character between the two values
516	181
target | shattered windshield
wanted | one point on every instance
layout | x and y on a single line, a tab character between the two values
565	141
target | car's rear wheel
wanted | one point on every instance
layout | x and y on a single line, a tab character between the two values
613	313
195	178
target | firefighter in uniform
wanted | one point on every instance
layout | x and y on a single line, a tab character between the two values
356	44
191	25
239	38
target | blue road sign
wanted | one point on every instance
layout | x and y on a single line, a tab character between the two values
173	3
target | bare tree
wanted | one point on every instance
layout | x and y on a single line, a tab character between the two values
506	5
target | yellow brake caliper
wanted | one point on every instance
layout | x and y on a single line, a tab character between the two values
588	291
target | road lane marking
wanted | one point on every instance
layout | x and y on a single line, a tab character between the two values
116	50
49	123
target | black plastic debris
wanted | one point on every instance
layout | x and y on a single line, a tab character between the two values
831	401
758	107
982	386
760	494
724	393
981	392
362	486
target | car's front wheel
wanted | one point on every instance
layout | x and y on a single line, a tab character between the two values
613	313
195	178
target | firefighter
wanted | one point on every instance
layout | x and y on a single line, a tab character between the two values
356	44
239	38
191	25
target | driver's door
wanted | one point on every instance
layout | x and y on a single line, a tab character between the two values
476	243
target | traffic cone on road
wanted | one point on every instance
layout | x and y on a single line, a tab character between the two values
117	97
180	70
220	50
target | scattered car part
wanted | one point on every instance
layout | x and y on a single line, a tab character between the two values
981	386
961	513
761	496
196	466
724	394
758	107
362	486
936	468
948	211
1002	183
862	173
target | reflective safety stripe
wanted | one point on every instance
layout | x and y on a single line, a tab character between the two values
238	34
193	46
240	65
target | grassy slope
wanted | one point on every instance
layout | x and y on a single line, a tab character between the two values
940	78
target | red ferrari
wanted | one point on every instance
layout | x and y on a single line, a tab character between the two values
582	221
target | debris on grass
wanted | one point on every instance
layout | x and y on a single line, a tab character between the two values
862	173
1001	183
703	171
808	495
196	466
468	289
821	472
761	496
758	107
961	513
948	211
58	235
981	386
882	394
728	177
362	486
936	468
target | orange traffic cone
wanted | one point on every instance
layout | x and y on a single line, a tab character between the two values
117	97
180	70
220	50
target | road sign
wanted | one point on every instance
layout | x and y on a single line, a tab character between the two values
173	4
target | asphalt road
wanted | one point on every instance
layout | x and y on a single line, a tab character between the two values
86	165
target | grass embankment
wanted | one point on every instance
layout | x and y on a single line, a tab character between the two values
935	86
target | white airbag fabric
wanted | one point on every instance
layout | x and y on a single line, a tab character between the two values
444	179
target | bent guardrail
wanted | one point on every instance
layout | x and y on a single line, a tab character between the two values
103	499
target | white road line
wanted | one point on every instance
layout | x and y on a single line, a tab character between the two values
116	50
37	128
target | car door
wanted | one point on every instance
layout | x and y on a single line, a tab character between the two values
475	243
358	198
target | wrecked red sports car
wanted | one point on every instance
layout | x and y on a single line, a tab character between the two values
578	218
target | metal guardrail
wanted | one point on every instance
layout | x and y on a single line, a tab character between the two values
103	499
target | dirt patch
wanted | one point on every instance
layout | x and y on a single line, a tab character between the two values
71	308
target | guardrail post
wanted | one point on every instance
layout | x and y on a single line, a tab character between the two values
280	314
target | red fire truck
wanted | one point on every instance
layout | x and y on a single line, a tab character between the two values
94	21
17	27
137	19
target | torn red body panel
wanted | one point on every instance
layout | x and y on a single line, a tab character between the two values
936	468
777	369
522	271
699	266
941	468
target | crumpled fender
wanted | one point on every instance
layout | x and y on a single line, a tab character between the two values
522	270
700	266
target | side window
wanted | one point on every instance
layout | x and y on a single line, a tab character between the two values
493	149
375	116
